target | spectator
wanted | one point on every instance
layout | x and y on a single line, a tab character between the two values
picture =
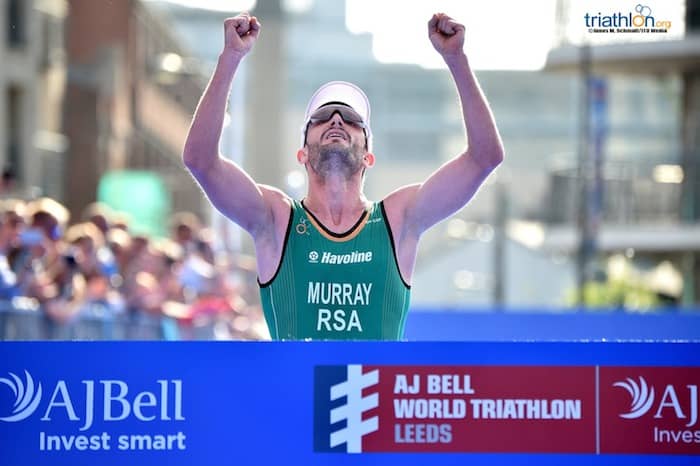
99	214
119	242
84	240
68	276
8	180
121	221
45	273
185	228
150	276
96	263
11	223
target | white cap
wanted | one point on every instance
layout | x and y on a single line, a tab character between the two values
343	92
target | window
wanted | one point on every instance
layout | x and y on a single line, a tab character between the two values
52	46
13	155
692	15
16	33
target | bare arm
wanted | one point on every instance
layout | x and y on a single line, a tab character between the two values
227	185
450	187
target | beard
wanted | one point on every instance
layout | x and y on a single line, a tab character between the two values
336	159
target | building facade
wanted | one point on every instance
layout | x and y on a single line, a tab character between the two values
130	94
32	83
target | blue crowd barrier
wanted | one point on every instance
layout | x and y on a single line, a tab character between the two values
23	321
251	403
559	325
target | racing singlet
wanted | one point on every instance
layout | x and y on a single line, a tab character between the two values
331	286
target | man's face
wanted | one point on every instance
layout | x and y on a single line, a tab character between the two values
183	234
100	222
336	159
10	227
335	146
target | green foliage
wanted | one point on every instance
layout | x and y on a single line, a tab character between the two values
616	293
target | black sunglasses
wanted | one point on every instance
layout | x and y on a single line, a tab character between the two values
326	112
348	115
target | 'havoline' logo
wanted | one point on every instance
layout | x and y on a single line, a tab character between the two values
354	257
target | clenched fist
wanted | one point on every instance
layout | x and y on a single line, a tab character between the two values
446	34
240	32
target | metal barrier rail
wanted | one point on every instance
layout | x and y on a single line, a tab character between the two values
23	319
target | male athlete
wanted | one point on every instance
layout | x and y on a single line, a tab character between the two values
336	265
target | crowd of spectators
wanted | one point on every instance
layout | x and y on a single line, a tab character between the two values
98	267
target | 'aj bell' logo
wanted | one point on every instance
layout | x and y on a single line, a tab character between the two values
642	397
342	397
351	412
672	400
26	399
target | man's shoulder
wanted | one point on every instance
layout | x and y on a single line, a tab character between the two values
398	209
398	200
275	197
279	205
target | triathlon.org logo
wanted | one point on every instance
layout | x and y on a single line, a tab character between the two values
642	397
355	257
26	398
641	20
338	392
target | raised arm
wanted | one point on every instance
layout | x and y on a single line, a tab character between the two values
450	187
229	188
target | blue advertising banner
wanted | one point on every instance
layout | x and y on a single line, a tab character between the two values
239	403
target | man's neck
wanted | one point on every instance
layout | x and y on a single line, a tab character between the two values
337	202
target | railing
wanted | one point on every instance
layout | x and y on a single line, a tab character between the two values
21	319
630	195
